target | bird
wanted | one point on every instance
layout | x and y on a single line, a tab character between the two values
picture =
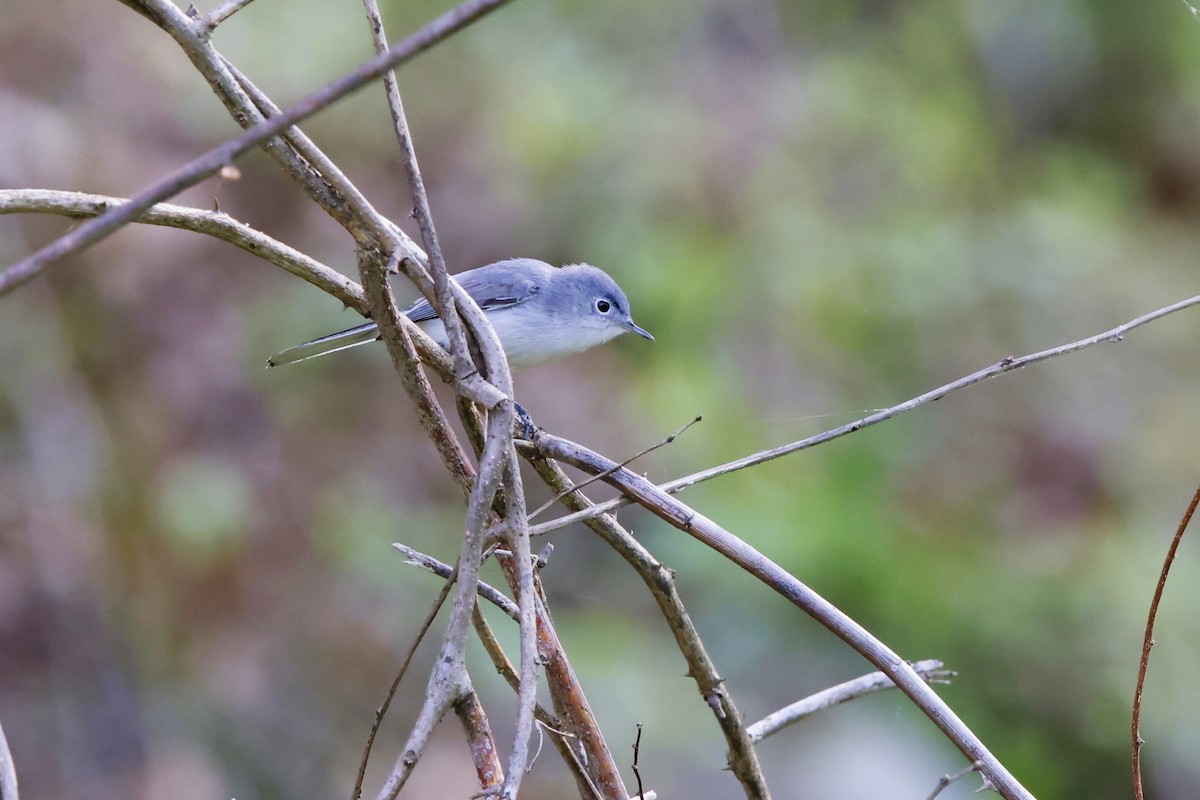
539	312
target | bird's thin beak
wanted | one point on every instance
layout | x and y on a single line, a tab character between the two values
639	330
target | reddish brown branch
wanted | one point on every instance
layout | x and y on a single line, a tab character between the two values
1148	642
482	744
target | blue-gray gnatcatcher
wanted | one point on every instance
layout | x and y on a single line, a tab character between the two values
539	313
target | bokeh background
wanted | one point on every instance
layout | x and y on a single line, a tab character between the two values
819	208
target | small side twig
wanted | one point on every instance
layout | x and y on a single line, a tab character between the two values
1148	643
444	570
593	478
930	669
637	772
444	303
946	780
1001	367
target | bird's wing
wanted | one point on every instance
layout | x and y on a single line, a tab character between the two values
499	285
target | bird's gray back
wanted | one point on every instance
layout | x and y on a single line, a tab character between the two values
497	285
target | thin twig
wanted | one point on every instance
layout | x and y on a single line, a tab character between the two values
444	303
625	463
946	780
999	368
391	692
1148	643
660	581
223	12
930	669
94	230
637	772
444	570
757	564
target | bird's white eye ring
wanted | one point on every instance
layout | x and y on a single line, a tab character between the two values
603	306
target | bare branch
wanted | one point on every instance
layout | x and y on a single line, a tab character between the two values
1148	643
517	535
930	669
96	229
444	303
946	780
449	680
999	368
713	535
625	463
391	693
480	741
223	12
219	225
560	737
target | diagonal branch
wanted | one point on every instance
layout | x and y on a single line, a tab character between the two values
1002	366
95	230
776	577
219	225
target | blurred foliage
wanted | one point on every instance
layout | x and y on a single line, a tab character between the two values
818	208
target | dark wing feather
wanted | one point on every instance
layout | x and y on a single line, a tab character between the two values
499	285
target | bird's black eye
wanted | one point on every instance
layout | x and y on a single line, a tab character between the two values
603	306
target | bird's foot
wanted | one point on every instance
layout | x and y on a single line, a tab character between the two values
523	427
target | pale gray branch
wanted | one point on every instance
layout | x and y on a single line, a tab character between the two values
8	770
219	225
444	570
660	580
930	669
94	230
777	578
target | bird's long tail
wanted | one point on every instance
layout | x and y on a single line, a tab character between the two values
352	337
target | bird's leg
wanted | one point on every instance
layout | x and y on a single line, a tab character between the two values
523	427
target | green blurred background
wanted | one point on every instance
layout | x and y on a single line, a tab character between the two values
818	208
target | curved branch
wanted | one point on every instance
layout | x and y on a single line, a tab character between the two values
217	224
1148	643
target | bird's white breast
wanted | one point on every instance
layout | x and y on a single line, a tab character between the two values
530	337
